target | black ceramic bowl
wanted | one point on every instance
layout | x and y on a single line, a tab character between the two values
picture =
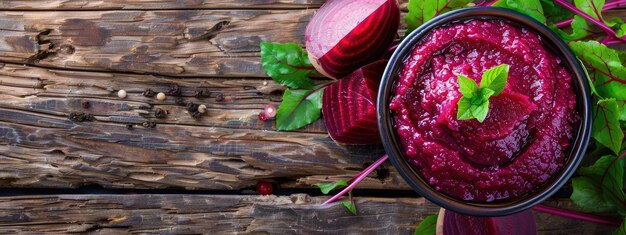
500	207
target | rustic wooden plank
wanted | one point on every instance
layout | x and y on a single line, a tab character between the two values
222	150
58	92
54	5
177	43
220	43
171	214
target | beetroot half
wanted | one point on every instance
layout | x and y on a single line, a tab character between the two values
347	34
349	106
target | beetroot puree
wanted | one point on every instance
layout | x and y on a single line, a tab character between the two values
527	134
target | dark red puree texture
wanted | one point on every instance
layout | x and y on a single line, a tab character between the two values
527	134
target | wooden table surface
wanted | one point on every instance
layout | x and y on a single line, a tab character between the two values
184	175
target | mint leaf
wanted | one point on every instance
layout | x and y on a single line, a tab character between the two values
474	102
326	188
606	128
481	110
531	8
464	113
495	78
467	86
288	64
421	11
299	108
588	195
350	206
427	226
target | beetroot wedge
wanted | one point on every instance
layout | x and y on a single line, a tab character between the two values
349	106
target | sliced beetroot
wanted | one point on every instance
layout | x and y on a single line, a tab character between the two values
458	224
345	35
349	106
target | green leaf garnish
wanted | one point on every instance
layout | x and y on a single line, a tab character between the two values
288	64
299	108
475	101
427	226
495	78
531	8
606	128
350	206
326	188
588	195
600	186
421	11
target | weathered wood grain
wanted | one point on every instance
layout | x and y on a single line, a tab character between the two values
228	148
175	214
177	43
39	150
54	5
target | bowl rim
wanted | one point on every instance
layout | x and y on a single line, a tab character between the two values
496	208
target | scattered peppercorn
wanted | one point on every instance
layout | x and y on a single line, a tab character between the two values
219	97
180	101
149	93
204	93
85	104
81	117
196	115
264	188
191	107
159	113
129	126
202	108
148	124
121	94
161	96
174	90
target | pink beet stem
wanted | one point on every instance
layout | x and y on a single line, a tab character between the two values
359	178
564	23
577	215
601	25
607	6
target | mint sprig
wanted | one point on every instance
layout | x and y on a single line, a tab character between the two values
475	100
287	63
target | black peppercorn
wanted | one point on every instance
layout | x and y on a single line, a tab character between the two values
129	126
180	101
191	107
159	113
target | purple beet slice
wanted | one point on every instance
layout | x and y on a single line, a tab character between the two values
349	106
